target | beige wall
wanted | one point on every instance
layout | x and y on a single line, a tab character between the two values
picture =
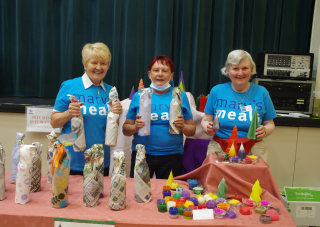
10	124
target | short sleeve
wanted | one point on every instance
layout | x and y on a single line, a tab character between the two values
62	100
270	111
186	110
209	109
134	106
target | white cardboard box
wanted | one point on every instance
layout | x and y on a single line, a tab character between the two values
303	204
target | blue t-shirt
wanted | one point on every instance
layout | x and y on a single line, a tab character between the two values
160	141
225	101
94	111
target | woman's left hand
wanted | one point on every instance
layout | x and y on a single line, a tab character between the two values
116	107
179	122
260	132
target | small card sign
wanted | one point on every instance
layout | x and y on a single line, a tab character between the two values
38	119
64	222
203	214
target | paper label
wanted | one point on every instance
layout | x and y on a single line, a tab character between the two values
305	211
202	214
246	108
302	194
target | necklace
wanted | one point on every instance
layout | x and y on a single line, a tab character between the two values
236	98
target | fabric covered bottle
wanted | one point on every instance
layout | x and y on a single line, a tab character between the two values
52	137
142	185
23	180
2	173
36	168
60	176
117	198
175	110
112	121
15	157
145	111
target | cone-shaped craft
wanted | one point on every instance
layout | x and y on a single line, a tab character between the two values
170	180
232	151
140	85
2	173
242	154
253	126
131	94
256	192
181	83
222	189
175	110
216	122
112	121
233	139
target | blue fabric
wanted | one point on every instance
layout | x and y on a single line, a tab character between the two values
160	141
223	98
94	111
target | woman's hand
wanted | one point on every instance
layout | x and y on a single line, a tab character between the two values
138	122
74	109
179	122
210	130
260	132
116	107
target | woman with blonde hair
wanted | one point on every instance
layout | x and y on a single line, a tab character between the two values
92	94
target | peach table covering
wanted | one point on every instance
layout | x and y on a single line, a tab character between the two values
39	213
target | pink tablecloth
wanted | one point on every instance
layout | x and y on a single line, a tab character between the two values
39	213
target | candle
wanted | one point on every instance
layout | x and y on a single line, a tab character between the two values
211	204
202	206
166	188
179	203
232	151
201	200
187	213
249	203
174	186
245	211
160	201
194	200
170	204
167	198
248	160
188	203
237	197
177	195
235	204
242	154
173	212
260	210
264	203
162	207
203	102
265	219
274	215
179	190
198	196
222	189
223	206
173	199
180	210
234	159
192	183
182	199
231	214
220	158
219	213
256	192
213	196
220	200
253	157
234	201
166	193
193	207
185	194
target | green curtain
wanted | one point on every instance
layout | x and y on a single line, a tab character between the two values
41	40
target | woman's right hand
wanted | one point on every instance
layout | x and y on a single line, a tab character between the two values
210	130
74	109
138	122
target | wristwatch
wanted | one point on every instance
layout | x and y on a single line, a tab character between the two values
265	130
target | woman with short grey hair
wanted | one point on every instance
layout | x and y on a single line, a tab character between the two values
234	103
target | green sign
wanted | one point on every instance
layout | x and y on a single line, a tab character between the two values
302	194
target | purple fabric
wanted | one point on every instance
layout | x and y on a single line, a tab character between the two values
195	152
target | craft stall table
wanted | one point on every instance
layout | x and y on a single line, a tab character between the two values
39	213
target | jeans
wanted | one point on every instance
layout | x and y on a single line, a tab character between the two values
161	165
